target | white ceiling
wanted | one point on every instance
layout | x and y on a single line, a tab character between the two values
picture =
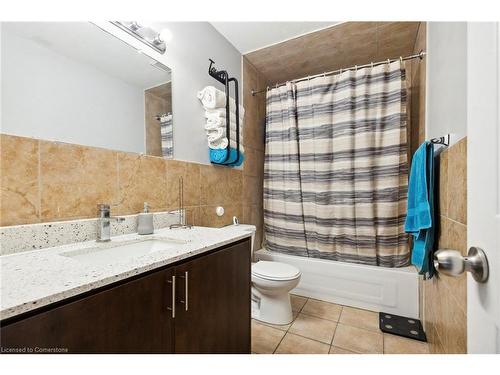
250	36
88	44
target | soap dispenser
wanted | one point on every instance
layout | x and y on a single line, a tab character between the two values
145	221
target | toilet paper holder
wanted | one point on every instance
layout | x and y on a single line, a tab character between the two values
452	263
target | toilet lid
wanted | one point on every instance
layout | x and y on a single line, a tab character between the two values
275	270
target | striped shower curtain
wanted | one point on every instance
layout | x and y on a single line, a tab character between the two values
336	173
167	136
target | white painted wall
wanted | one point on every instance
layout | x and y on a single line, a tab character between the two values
192	44
42	90
446	79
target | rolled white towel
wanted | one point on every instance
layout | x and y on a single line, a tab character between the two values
211	97
212	125
221	112
222	143
218	144
215	134
214	122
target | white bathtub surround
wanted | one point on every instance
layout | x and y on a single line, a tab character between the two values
19	238
40	277
393	290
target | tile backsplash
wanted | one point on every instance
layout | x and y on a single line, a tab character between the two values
445	297
45	181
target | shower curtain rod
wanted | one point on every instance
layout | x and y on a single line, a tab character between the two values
419	55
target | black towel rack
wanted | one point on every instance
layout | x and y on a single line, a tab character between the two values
223	77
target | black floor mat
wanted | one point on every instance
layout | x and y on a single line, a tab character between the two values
402	326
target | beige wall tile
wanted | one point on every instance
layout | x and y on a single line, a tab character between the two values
141	179
293	344
190	173
208	217
443	183
253	190
254	162
339	46
457	181
74	179
20	201
445	303
220	185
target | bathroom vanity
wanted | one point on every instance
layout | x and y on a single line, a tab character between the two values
192	296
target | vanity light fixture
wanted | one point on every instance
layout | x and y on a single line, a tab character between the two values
145	34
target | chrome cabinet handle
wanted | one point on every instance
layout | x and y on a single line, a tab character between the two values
173	296
186	290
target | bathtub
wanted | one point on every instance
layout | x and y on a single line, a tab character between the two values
392	290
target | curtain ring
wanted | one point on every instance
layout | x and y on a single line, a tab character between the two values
355	68
372	64
324	75
401	59
388	61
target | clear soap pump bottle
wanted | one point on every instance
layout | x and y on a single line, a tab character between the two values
145	221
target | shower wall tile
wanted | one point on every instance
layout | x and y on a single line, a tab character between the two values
19	161
253	168
44	181
418	77
342	45
445	298
253	191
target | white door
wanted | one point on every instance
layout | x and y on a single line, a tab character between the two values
483	197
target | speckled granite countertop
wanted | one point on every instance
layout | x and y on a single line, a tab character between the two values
38	278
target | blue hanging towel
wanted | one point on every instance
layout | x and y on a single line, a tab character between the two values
218	156
420	215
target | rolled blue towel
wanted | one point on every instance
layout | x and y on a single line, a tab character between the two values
218	156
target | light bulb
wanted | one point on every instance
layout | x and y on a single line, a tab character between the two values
165	35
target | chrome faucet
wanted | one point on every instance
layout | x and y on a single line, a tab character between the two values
103	222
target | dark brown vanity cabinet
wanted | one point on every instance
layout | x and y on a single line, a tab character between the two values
211	313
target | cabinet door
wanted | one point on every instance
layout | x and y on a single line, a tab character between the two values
129	318
217	318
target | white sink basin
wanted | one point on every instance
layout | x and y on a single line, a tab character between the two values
122	252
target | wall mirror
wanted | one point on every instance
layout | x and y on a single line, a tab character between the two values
73	82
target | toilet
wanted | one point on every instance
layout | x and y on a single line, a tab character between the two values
271	286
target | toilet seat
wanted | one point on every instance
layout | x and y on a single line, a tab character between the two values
275	270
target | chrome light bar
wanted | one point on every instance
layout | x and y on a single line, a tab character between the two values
147	35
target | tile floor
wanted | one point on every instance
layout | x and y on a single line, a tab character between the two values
322	327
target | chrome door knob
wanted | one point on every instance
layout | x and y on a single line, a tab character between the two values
452	263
